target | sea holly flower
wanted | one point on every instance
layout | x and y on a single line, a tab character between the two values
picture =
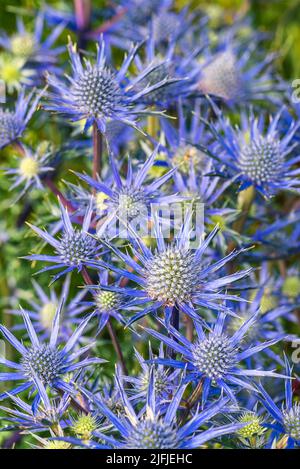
259	158
12	72
168	64
97	93
133	25
130	199
286	414
37	55
14	122
47	414
33	166
43	306
150	429
175	275
165	381
273	308
215	357
107	304
232	77
44	365
196	176
75	247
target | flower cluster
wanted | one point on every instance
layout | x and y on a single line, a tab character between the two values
155	184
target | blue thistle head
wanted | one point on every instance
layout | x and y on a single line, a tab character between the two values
37	55
14	122
44	365
291	421
98	93
74	248
256	154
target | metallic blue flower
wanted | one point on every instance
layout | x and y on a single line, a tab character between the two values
14	122
97	93
131	198
259	157
44	365
215	356
286	414
75	247
179	71
42	310
174	274
150	429
38	55
186	149
107	303
165	381
33	167
265	296
22	417
231	76
134	24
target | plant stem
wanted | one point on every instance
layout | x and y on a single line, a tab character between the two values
114	339
175	318
174	321
97	151
97	166
49	183
192	400
245	201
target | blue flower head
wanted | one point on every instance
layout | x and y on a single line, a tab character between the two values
43	306
33	167
175	275
152	429
258	157
97	93
14	122
231	75
286	415
74	249
215	356
48	413
132	198
43	364
165	381
37	55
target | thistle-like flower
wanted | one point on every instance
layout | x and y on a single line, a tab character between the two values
174	274
14	122
22	416
97	93
165	381
43	307
106	302
233	78
151	429
45	365
130	199
33	166
286	414
75	247
215	357
257	157
37	55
